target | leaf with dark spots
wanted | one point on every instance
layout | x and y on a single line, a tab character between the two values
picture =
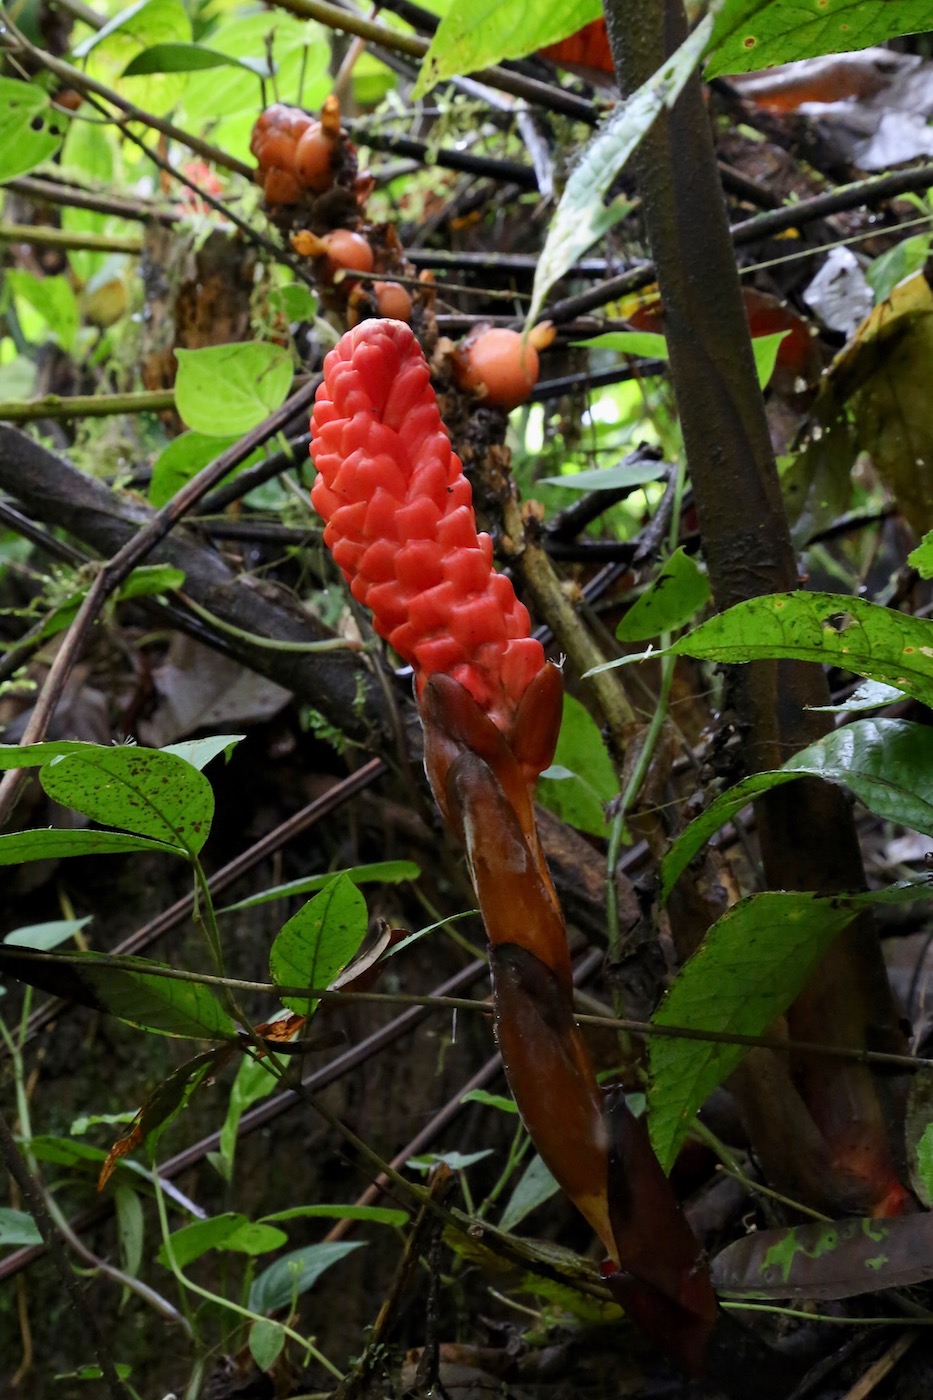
840	1259
150	793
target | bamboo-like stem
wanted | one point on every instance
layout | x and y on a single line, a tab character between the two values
86	405
42	237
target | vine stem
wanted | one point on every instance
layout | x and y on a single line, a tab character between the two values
34	1198
64	238
227	1304
86	405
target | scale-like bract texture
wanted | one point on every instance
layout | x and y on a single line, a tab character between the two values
400	523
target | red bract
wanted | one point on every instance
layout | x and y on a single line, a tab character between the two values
400	522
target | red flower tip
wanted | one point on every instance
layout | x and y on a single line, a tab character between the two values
400	523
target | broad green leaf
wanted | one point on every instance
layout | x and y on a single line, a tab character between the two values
582	779
609	478
836	1259
491	1100
52	298
648	344
828	628
319	941
535	1186
886	763
184	457
377	1215
476	33
765	350
903	260
52	844
17	1228
266	1340
294	1274
752	34
231	1231
380	872
189	58
142	26
229	389
748	969
678	593
254	1080
921	558
582	216
35	755
150	793
30	132
45	937
295	301
227	99
132	993
199	752
149	580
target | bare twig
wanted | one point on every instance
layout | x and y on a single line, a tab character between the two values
113	573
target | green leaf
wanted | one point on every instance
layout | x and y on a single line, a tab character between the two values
582	779
921	558
34	755
535	1186
457	1161
903	260
829	628
229	389
319	941
132	993
266	1340
648	344
749	968
609	478
294	1274
30	132
146	791
17	1228
130	1227
886	763
752	34
53	299
149	580
232	1232
491	1100
254	1080
678	593
296	302
199	752
924	1156
142	26
45	937
380	872
476	33
582	216
184	457
765	350
377	1215
867	695
189	58
51	844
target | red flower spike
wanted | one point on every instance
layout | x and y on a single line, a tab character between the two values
399	521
